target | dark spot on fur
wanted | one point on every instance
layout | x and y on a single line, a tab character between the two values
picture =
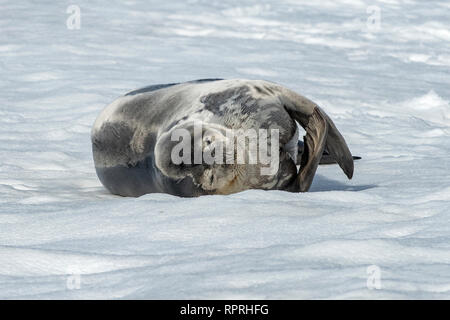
113	140
239	96
268	89
155	87
258	89
150	88
173	124
249	105
205	80
262	90
112	136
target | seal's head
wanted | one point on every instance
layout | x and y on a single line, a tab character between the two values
221	160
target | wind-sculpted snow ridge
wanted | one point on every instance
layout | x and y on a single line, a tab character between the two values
384	234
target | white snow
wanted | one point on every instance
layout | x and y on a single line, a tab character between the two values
388	91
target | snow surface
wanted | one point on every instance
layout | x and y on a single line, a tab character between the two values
63	236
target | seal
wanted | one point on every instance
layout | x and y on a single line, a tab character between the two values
137	150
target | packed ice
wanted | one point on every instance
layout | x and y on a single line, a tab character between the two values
381	70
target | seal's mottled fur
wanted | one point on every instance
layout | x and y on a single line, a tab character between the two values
131	137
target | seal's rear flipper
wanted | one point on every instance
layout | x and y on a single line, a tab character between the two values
321	133
338	149
327	158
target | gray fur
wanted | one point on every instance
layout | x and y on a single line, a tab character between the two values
131	137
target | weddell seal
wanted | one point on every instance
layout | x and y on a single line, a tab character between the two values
213	136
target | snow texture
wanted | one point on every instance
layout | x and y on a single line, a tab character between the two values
388	90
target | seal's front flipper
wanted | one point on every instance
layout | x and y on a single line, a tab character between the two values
314	144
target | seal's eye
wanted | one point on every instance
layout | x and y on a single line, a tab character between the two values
208	141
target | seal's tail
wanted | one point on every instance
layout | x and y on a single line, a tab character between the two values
327	158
